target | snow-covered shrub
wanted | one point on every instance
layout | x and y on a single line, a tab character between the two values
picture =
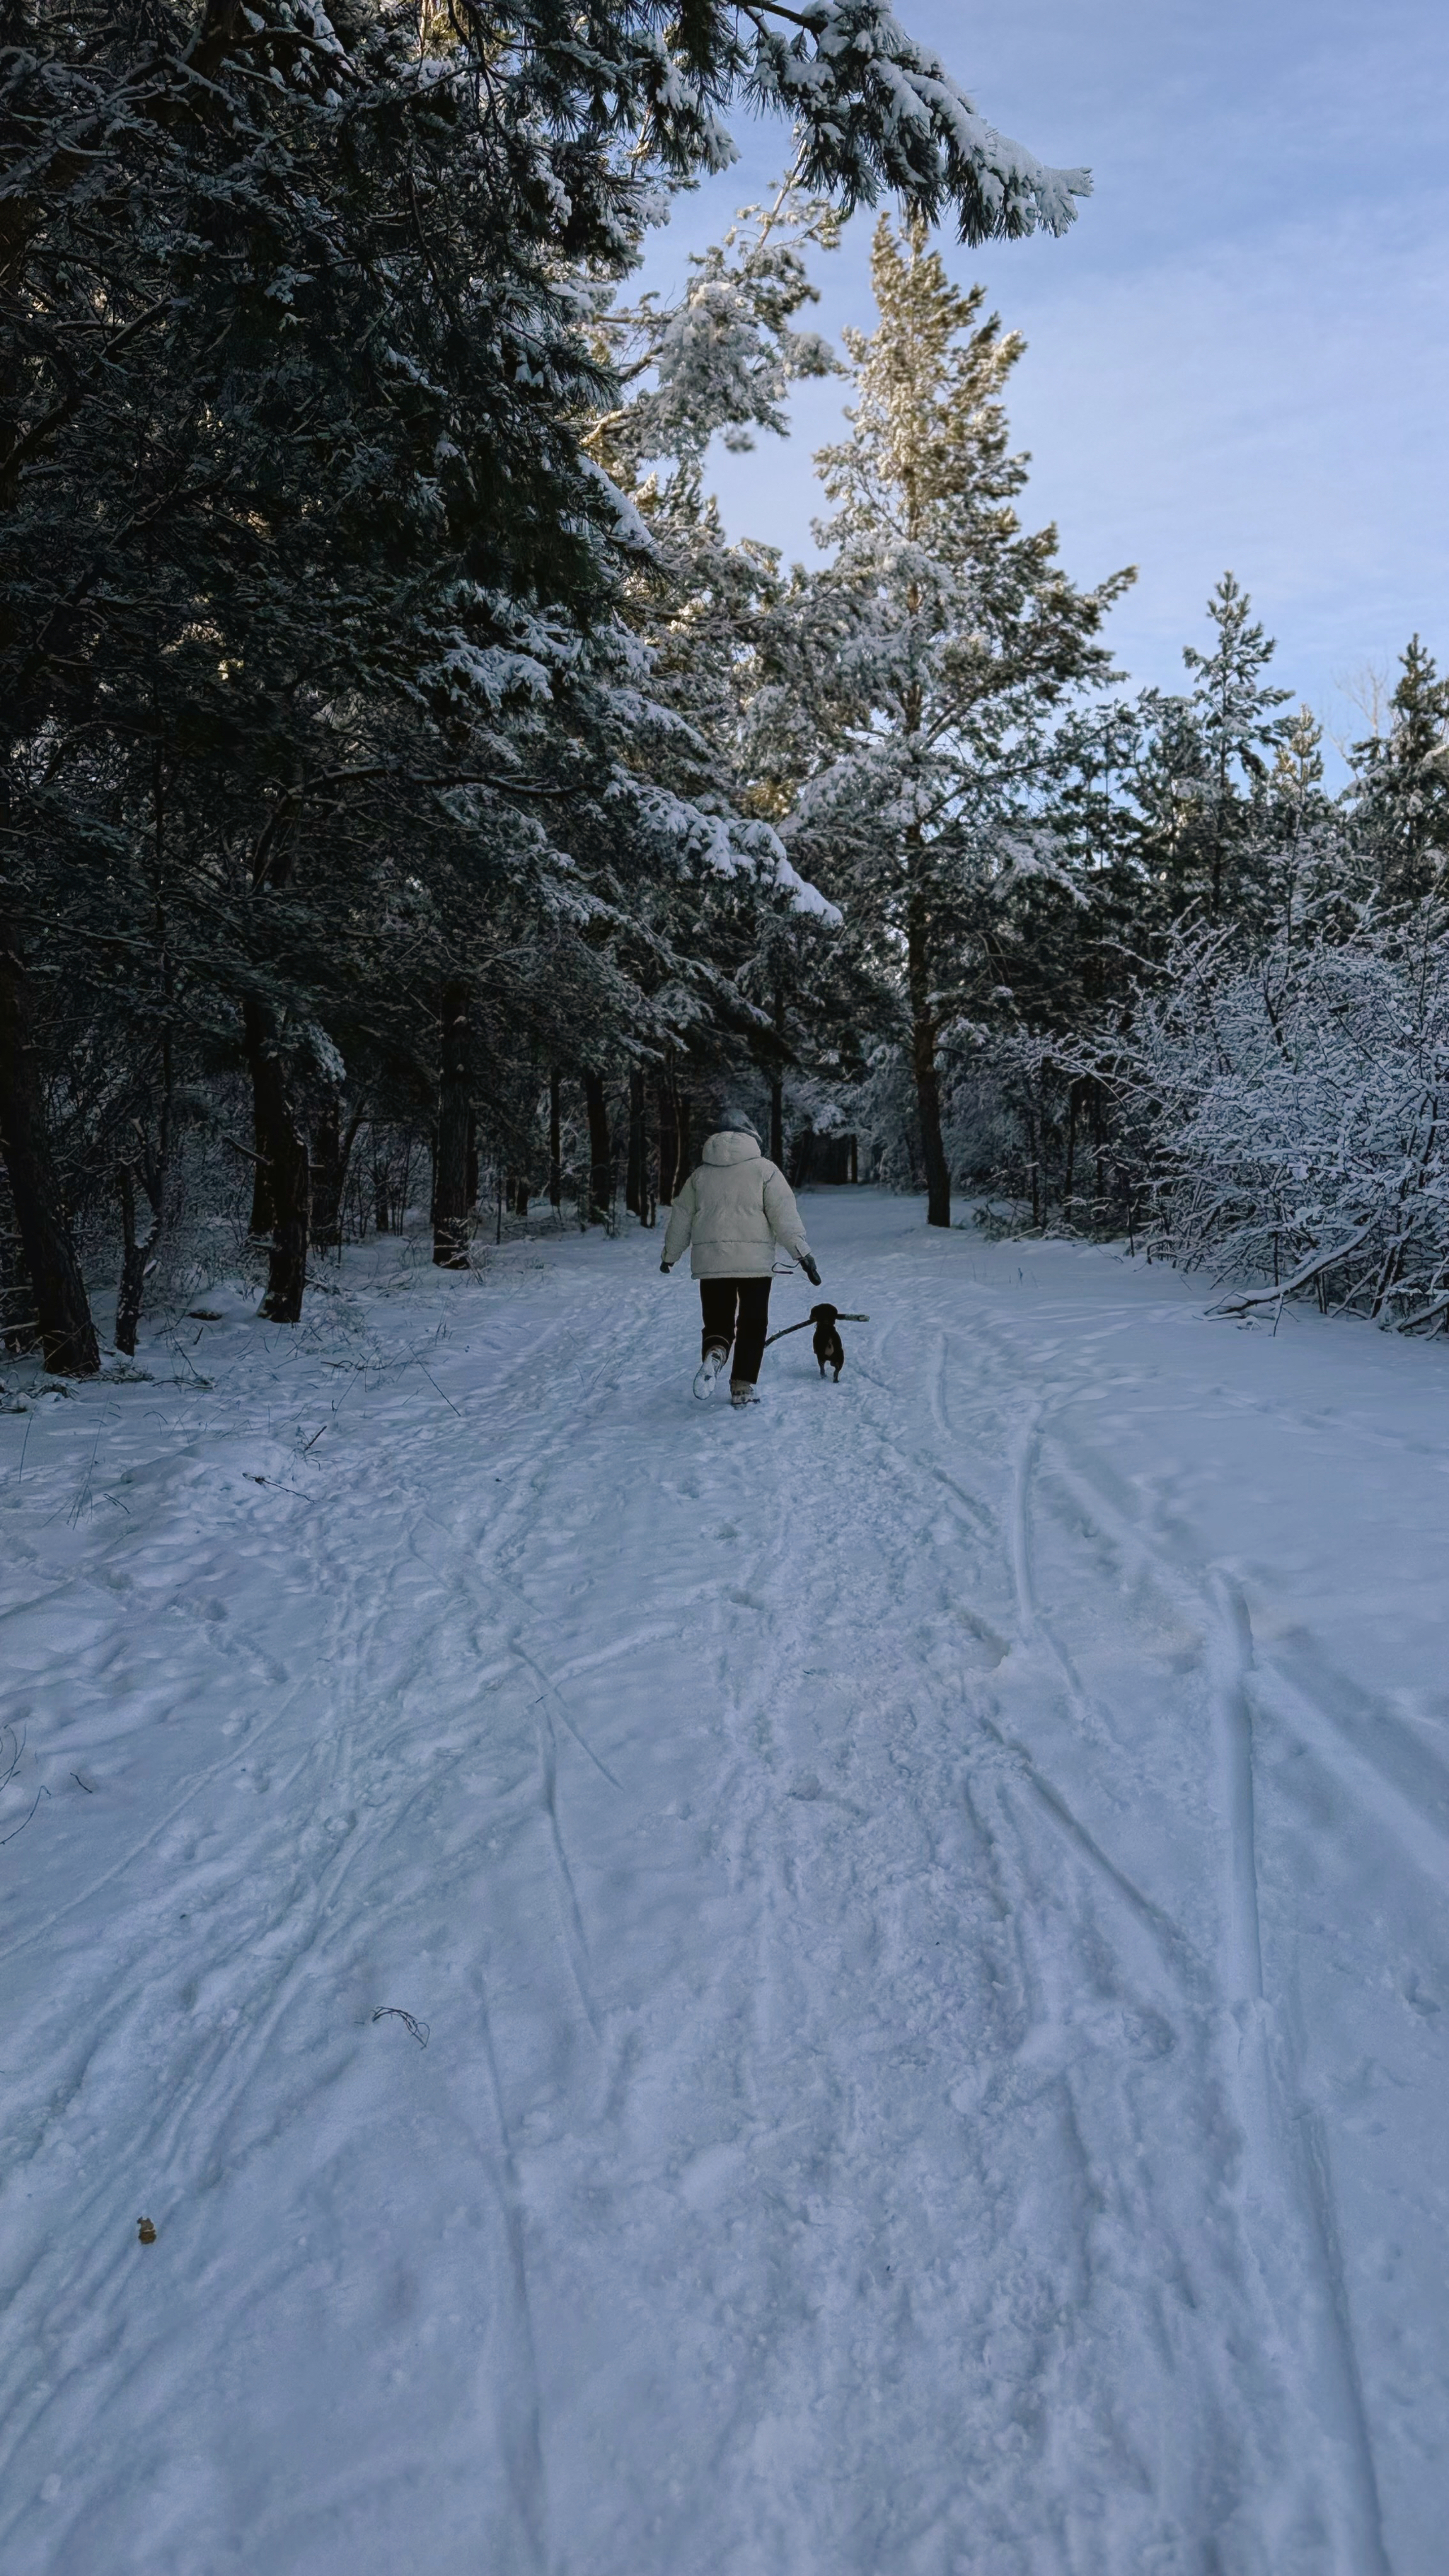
1029	1123
208	1196
1293	1109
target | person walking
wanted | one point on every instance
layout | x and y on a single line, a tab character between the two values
731	1212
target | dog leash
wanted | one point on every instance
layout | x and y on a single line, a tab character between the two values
809	1320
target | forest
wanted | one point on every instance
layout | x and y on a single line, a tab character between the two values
415	798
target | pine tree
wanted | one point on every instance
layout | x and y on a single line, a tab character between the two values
914	683
728	939
1401	783
1207	765
298	301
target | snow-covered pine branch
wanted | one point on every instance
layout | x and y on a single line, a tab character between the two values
878	113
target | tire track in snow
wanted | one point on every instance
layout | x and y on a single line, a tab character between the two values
1032	1626
225	1762
1274	2121
955	2334
524	2448
936	1384
1332	2366
1280	2133
780	2004
221	2084
1172	1944
1028	1446
807	2036
1014	1528
1230	1660
756	1647
1286	2162
1015	1531
576	1948
820	2017
1370	1758
1089	2107
182	2134
1346	1749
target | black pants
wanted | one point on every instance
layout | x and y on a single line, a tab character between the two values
719	1298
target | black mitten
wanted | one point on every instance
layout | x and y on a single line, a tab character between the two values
811	1268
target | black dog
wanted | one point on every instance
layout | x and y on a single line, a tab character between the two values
825	1341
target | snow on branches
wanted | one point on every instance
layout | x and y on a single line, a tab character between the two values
876	113
1295	1107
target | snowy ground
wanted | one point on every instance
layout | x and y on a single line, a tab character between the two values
927	1902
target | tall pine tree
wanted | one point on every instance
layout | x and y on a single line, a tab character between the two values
1401	783
914	683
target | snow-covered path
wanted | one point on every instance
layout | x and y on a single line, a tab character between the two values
926	1899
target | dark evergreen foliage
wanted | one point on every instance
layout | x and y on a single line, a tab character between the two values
406	779
319	690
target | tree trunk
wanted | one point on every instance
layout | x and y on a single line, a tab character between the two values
17	1301
263	1215
139	1259
332	1151
475	1171
601	1159
555	1147
520	1198
777	1122
136	1260
450	1171
62	1308
1099	1151
648	1203
281	1140
636	1182
1070	1175
133	1265
668	1141
923	1066
381	1206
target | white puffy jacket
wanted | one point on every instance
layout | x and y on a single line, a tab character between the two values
733	1211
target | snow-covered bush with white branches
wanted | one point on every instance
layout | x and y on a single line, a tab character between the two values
1294	1108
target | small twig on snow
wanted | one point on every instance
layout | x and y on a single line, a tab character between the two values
433	1383
419	2029
24	1821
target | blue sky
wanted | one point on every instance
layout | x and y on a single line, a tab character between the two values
1239	356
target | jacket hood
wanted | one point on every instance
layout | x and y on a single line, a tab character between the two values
730	1146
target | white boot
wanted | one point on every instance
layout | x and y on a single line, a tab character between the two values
742	1392
709	1368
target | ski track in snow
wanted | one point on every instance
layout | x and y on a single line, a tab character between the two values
926	1903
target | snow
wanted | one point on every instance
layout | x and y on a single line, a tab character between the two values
628	528
861	47
925	1902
